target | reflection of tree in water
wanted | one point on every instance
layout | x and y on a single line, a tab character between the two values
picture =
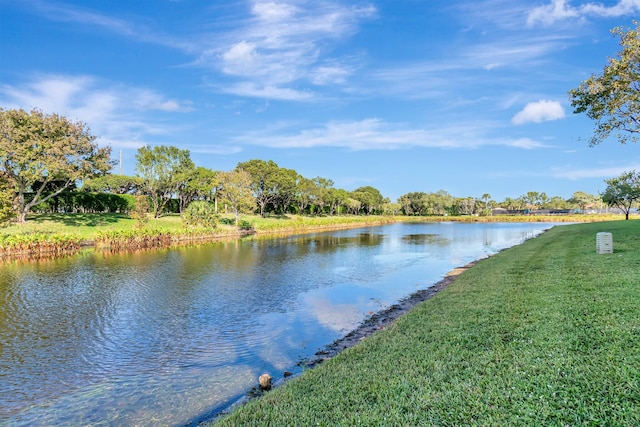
425	239
362	239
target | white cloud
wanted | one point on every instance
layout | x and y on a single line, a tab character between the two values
92	20
605	173
117	113
285	44
329	74
559	10
527	144
376	134
250	89
273	11
538	112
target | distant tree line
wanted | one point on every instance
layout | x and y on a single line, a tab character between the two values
50	164
171	181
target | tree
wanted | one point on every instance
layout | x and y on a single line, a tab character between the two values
116	184
369	197
534	199
612	99
236	191
198	183
139	211
582	199
160	167
623	191
7	198
353	205
414	203
557	202
320	196
335	198
38	150
513	204
304	193
464	206
391	208
439	203
263	184
285	181
488	204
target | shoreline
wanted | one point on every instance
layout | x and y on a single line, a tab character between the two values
376	322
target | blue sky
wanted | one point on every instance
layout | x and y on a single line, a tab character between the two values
403	95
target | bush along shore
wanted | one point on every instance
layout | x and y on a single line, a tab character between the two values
55	235
544	333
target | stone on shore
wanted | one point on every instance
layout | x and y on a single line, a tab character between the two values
265	381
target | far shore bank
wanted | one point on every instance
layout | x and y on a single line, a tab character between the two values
46	236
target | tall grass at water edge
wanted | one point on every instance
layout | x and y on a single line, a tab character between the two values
545	333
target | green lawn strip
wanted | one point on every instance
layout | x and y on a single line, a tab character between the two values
545	333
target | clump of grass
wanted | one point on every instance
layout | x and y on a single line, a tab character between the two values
545	333
37	244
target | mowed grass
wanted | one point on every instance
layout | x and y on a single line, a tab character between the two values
545	333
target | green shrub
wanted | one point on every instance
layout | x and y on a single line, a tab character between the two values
200	214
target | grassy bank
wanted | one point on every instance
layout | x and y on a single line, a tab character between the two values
546	333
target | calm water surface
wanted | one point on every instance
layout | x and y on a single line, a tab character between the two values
172	336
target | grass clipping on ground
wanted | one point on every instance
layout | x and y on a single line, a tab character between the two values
545	333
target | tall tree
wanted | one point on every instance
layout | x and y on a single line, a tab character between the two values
39	150
285	181
263	181
623	191
612	99
320	189
304	193
414	203
370	198
535	199
198	183
582	199
335	198
161	168
236	191
464	205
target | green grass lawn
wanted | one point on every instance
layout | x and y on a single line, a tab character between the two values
545	333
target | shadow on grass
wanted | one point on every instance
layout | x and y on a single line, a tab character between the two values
79	219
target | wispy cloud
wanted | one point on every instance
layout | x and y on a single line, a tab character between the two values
559	10
540	111
117	113
376	134
284	44
582	173
84	17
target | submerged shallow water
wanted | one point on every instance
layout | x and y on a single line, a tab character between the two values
173	336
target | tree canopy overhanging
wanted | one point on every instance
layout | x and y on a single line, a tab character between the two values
612	99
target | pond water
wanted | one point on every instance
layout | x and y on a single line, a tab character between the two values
170	337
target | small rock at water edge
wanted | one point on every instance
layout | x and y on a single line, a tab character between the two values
265	381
